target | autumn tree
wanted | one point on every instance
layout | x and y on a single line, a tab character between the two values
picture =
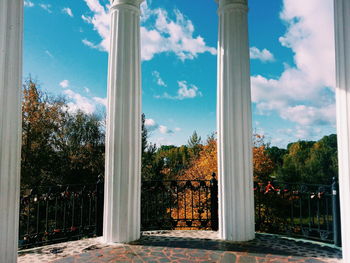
206	164
263	166
58	147
200	168
43	120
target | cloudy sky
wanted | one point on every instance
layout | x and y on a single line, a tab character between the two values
292	63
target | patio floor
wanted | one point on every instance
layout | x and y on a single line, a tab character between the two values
185	246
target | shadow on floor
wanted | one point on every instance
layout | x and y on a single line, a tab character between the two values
261	245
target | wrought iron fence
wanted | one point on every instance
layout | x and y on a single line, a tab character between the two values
180	204
303	210
61	213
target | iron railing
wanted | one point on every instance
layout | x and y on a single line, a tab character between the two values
61	213
310	211
180	204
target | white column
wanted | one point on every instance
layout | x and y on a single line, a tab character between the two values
11	30
123	142
234	122
342	46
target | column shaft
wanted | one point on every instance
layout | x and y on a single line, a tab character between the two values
11	30
123	139
236	199
342	39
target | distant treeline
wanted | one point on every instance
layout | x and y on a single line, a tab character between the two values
64	147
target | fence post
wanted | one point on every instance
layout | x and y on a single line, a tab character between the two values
99	208
336	213
214	203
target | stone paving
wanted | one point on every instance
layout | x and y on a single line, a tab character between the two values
185	246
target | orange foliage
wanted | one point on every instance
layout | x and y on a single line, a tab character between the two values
202	169
40	118
262	164
206	164
195	203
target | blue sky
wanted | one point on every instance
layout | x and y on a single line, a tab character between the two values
292	63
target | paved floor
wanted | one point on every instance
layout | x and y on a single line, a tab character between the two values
185	246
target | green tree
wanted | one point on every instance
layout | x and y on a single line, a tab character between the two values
195	144
293	169
175	160
151	165
276	155
310	162
58	147
322	164
83	148
43	119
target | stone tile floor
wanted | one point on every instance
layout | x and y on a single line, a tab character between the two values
185	246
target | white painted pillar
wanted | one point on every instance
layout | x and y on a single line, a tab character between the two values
342	47
234	122
11	30
123	140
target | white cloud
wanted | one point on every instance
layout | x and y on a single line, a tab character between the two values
303	93
309	115
158	79
68	11
178	129
262	55
303	132
87	19
64	83
159	141
151	125
28	4
79	102
48	53
277	142
161	35
146	12
102	101
165	130
46	7
89	44
100	22
176	36
185	91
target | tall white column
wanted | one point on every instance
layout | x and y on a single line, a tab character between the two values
342	47
11	30
123	141
234	122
